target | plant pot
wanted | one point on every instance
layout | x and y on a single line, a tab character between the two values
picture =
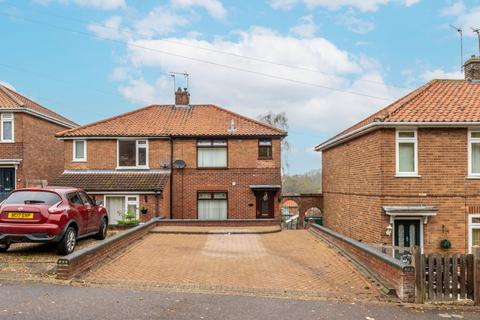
445	244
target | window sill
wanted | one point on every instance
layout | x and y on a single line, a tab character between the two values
265	158
212	168
407	176
80	160
473	177
6	141
132	168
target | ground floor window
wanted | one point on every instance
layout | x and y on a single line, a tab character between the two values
120	205
473	232
212	205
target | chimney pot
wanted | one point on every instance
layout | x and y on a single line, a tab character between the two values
472	68
182	97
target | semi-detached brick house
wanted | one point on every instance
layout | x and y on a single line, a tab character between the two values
225	166
410	173
28	148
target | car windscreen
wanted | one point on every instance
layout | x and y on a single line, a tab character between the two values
33	197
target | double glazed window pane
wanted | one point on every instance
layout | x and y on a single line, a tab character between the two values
406	157
7	130
79	149
476	158
212	157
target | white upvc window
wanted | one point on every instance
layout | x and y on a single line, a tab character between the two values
406	153
473	232
7	131
79	150
474	153
118	206
132	154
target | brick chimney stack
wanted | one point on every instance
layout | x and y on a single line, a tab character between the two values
182	97
472	68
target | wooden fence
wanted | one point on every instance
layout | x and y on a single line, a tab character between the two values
447	278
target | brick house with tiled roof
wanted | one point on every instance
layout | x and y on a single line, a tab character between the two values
409	174
179	161
28	148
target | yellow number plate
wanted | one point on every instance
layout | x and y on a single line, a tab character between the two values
20	215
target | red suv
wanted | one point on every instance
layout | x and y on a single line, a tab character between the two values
53	214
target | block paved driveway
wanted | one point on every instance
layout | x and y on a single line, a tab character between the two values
289	263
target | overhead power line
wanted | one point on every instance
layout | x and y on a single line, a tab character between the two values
263	74
271	62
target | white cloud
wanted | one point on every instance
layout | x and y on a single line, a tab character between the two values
441	74
98	4
362	5
214	7
160	21
252	95
283	4
110	29
8	85
306	27
354	23
464	17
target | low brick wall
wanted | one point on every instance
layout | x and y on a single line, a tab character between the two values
80	261
400	276
220	223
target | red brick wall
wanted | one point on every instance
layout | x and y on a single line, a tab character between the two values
359	178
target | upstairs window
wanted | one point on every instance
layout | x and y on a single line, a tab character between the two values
265	149
7	127
474	153
212	154
406	149
132	153
79	150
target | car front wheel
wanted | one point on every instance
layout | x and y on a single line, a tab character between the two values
68	242
4	247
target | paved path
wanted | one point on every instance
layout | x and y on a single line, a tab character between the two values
289	263
46	301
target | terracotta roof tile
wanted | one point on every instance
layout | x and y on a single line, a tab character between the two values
436	101
169	120
10	99
124	181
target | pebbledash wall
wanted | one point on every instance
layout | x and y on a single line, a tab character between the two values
35	145
244	169
359	178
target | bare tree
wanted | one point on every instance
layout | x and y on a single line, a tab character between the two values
279	120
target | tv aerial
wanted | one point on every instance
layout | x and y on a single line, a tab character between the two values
460	32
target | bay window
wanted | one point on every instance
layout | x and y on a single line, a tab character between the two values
7	127
212	205
132	153
474	153
212	154
406	153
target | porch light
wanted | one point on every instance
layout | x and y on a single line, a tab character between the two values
388	230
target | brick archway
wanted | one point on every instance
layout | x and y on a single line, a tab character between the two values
305	201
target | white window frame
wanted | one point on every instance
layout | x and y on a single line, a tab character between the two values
470	142
127	202
74	157
399	140
137	166
471	226
3	119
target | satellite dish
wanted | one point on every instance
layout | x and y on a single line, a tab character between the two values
179	164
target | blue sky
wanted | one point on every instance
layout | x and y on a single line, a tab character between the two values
326	63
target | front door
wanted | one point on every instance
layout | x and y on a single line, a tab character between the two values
407	234
7	179
265	201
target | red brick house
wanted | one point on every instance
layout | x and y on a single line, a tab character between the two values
28	148
410	173
179	161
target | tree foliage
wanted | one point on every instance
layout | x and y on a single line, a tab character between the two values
309	182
